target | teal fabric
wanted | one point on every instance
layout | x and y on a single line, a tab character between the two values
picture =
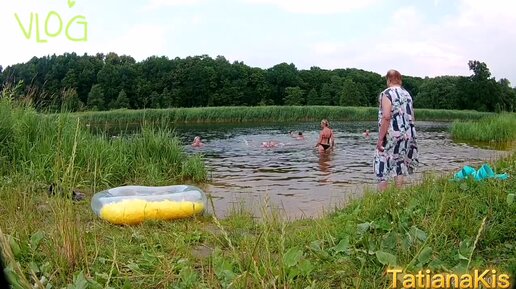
465	173
484	172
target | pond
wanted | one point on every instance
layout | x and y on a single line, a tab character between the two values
295	177
298	180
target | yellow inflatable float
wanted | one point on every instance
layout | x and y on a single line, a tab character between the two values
131	205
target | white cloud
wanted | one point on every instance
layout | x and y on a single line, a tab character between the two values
326	48
478	31
317	7
156	4
140	41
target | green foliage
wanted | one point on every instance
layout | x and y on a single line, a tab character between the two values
500	128
262	114
159	82
122	101
421	227
293	96
438	93
71	101
48	149
352	94
96	98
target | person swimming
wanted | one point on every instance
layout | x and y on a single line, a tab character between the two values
300	136
326	138
366	133
197	142
269	144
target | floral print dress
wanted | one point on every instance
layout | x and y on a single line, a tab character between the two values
400	155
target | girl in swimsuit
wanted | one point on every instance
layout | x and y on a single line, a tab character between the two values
326	138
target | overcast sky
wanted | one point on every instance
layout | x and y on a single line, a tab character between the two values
419	38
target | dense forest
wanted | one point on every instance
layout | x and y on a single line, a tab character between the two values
104	82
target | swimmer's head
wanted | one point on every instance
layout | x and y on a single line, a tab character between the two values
299	133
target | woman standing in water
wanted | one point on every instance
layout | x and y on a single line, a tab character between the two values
326	138
396	149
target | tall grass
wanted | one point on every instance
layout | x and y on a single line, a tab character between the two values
262	114
47	240
500	128
60	150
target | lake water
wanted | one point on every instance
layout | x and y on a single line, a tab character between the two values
297	179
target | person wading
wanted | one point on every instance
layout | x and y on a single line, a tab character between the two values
396	150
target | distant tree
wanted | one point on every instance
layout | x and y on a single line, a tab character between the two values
483	92
312	98
352	94
201	81
71	101
122	101
96	98
508	96
155	100
325	96
280	77
438	93
480	70
167	99
293	96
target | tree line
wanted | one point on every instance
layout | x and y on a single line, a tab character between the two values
111	81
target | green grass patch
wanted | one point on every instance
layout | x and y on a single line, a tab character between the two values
438	225
62	151
500	128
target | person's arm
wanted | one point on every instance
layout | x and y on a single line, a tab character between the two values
385	121
320	139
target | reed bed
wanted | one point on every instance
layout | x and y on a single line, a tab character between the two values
493	129
262	114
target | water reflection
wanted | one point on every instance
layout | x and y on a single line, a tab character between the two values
325	162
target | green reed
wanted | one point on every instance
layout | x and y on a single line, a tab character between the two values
261	114
499	129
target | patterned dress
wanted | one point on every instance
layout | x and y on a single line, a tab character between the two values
400	155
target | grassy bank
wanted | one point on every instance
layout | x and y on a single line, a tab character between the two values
59	150
263	114
498	129
440	225
52	242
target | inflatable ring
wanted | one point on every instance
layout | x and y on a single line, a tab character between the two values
131	205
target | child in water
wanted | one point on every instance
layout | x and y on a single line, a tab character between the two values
366	133
197	142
